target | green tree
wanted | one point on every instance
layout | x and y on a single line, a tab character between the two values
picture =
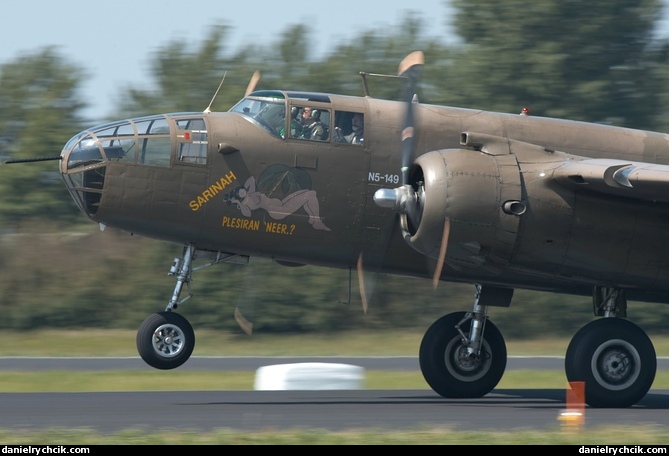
599	64
186	79
39	112
661	120
574	59
376	51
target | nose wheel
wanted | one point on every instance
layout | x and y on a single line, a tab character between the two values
165	340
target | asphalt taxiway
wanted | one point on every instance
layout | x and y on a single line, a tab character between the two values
106	412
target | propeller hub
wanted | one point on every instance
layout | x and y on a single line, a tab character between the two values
400	199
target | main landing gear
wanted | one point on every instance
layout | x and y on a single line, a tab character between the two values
463	355
613	356
165	340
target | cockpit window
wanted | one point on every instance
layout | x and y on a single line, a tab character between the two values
267	112
350	127
312	123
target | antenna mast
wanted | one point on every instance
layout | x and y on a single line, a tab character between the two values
208	110
364	75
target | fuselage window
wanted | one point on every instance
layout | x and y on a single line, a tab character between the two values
156	150
350	127
192	139
155	142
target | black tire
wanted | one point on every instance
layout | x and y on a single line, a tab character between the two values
616	361
453	376
569	367
165	340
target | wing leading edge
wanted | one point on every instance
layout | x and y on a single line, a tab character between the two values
638	180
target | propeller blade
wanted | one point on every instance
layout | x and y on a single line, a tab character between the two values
243	323
253	82
442	253
416	58
409	68
405	199
371	259
245	308
361	283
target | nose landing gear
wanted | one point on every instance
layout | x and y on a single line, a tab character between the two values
165	340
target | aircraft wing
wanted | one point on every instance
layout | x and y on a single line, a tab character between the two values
630	179
638	180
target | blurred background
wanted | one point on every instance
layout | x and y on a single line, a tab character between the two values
65	66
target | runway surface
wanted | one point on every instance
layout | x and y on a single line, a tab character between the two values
331	410
249	363
109	412
252	363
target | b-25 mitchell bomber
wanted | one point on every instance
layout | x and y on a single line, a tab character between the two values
500	201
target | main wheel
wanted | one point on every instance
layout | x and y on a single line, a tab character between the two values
165	340
447	367
616	360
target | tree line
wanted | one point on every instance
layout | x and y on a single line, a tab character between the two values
604	64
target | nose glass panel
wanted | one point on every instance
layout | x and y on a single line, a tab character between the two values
84	153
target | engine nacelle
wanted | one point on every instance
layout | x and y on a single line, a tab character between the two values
480	196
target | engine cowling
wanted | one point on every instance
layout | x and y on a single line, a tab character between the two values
480	196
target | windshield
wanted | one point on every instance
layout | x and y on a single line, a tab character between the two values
269	112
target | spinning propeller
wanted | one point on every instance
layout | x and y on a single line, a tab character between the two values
408	199
409	68
402	199
245	319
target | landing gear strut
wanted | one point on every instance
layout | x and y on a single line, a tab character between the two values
165	340
463	354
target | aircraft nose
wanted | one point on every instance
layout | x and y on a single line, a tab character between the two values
86	156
